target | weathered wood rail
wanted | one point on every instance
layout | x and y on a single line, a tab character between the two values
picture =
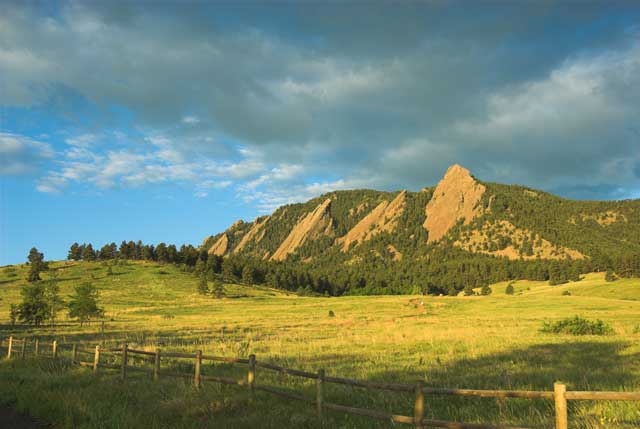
559	395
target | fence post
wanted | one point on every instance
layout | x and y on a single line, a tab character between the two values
74	353
96	360
196	375
418	406
251	375
319	386
156	366
125	358
36	348
23	350
10	347
54	349
559	390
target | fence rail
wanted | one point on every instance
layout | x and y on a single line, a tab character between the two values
559	395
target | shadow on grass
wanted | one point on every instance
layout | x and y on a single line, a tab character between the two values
583	365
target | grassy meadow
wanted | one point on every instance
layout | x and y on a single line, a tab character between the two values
489	342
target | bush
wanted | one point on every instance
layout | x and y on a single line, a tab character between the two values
509	290
566	293
577	326
609	276
331	313
486	290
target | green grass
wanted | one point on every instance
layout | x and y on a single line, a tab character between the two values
468	342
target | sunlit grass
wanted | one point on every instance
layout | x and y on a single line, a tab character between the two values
474	342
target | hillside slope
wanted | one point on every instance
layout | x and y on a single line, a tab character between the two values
463	228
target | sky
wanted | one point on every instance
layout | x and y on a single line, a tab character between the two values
167	121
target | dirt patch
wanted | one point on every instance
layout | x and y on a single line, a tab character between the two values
383	218
456	197
219	248
314	224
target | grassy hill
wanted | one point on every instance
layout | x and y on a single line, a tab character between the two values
473	342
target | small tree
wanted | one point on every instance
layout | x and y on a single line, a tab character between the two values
36	265
203	287
13	314
218	289
54	301
509	290
609	276
486	290
84	303
88	254
34	308
248	275
75	253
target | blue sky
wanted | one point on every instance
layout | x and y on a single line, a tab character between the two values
168	121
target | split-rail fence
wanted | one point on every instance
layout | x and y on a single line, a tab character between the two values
559	395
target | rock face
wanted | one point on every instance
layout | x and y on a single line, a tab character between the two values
456	197
383	218
256	231
219	248
314	224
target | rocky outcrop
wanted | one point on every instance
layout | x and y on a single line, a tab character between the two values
255	232
383	218
314	224
220	247
456	197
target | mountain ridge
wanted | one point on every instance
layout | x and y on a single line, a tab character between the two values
460	219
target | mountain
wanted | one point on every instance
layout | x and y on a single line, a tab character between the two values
440	239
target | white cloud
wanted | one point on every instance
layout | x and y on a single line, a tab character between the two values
21	155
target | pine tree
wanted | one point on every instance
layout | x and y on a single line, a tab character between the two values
203	287
74	252
34	308
36	265
89	254
218	289
248	275
84	303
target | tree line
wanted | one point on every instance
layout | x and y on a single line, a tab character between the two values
129	250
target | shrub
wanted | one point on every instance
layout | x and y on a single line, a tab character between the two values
486	290
509	290
331	313
566	293
609	276
577	326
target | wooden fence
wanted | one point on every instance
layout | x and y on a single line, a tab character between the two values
559	395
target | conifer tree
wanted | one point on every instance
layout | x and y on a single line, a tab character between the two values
34	308
74	252
218	289
83	305
203	287
36	265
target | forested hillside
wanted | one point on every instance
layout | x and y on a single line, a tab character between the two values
462	234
